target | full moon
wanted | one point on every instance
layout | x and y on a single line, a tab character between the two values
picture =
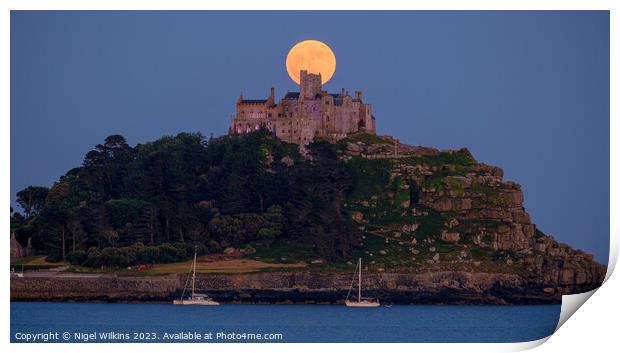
311	55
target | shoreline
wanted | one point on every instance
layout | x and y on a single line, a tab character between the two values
284	303
296	287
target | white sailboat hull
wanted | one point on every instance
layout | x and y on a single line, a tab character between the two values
194	302
362	304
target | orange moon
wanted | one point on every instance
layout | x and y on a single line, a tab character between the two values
311	55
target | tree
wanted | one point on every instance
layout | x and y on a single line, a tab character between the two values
32	199
231	190
62	213
106	165
77	232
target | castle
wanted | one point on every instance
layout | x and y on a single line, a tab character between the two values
301	116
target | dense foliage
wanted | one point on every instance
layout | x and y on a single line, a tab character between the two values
126	205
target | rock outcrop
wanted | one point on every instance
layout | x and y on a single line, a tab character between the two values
478	211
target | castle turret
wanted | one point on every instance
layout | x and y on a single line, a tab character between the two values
271	100
310	85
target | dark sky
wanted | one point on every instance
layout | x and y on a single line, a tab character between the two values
527	91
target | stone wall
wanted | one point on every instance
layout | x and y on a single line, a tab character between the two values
296	286
106	287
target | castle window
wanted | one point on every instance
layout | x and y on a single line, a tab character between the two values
269	115
279	115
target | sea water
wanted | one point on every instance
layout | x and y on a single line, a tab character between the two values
102	322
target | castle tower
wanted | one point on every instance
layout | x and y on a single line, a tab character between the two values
271	100
310	85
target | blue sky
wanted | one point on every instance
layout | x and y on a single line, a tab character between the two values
527	91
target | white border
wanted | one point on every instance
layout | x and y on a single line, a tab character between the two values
576	334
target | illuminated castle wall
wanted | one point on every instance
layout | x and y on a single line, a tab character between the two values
301	116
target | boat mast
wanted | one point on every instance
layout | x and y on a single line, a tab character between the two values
359	284
194	272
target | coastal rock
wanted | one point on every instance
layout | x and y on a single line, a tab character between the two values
450	237
410	228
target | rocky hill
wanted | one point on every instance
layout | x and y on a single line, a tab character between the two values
429	225
429	210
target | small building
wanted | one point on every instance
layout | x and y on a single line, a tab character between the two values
17	250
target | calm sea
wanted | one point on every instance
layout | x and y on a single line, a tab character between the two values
70	322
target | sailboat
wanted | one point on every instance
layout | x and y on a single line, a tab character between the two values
195	298
360	302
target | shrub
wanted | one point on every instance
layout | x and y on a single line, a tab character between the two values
146	254
77	257
213	246
94	257
169	253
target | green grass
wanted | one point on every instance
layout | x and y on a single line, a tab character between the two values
436	180
32	263
25	260
431	225
27	267
490	195
370	176
455	186
366	138
442	159
400	195
290	249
